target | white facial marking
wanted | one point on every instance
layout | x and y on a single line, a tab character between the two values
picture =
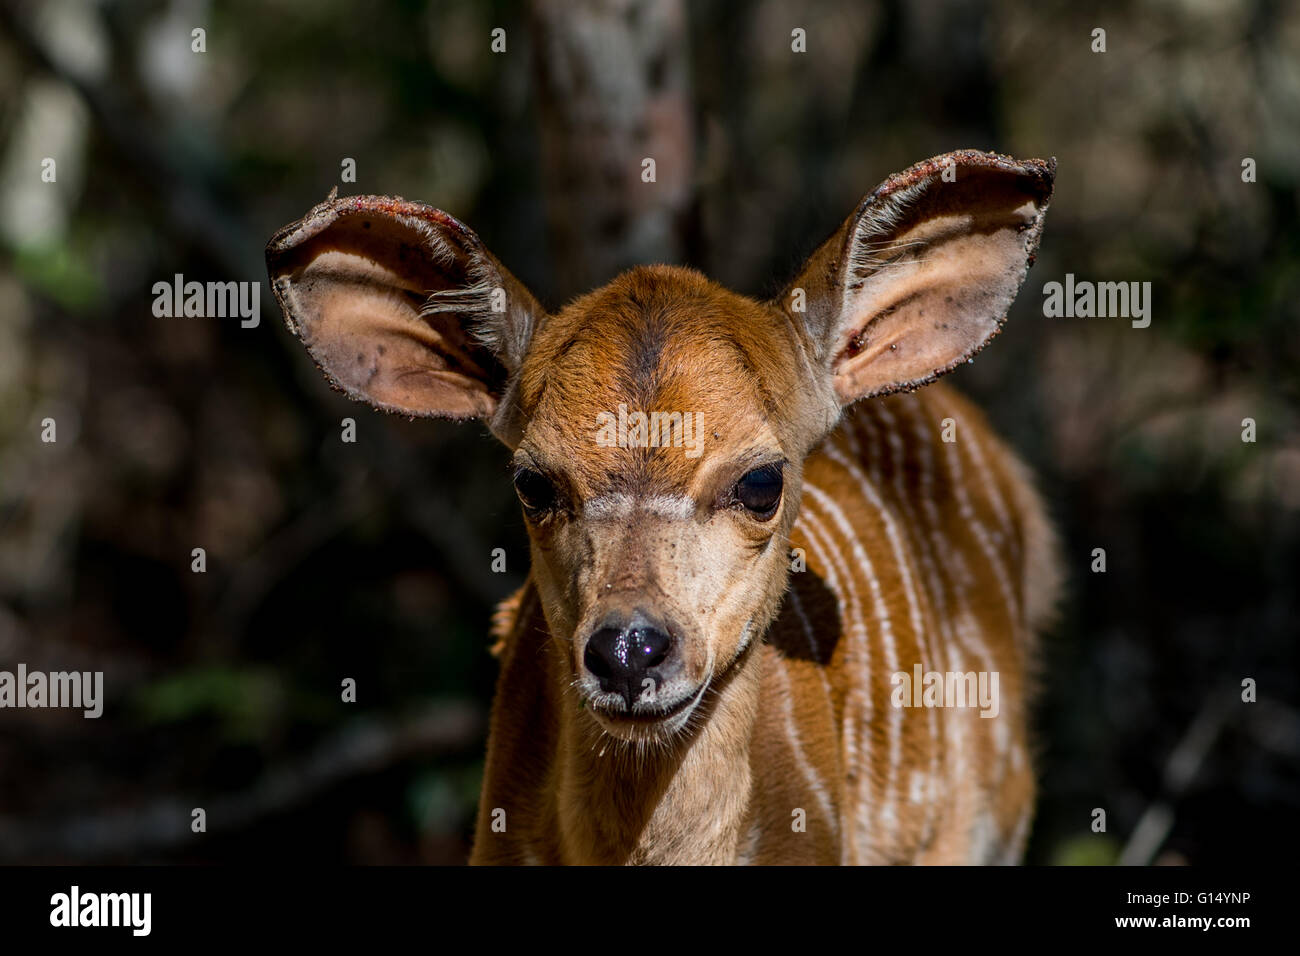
621	507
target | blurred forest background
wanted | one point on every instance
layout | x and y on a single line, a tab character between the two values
373	561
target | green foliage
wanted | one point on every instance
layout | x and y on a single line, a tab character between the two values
242	704
61	272
1086	849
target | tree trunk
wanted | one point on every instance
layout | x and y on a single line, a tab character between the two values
613	93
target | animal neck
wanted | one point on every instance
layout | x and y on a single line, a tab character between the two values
678	803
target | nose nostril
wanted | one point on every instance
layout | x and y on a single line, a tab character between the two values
603	652
650	647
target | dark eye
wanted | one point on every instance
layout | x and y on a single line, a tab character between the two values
760	491
534	489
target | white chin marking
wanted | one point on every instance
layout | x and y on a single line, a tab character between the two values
646	730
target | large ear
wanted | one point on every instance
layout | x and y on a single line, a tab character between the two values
402	306
920	276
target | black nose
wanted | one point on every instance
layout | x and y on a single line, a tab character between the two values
622	656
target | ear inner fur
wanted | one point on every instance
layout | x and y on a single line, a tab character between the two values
395	302
919	278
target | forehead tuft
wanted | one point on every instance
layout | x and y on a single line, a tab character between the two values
657	334
665	340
